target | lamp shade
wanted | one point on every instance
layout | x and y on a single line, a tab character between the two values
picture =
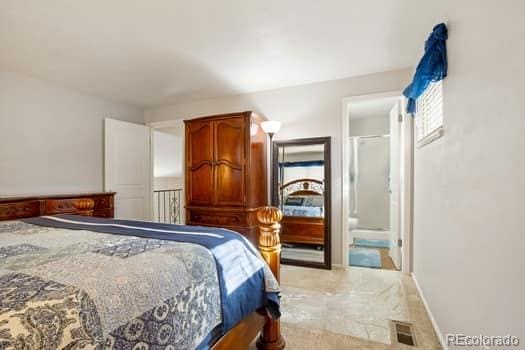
271	126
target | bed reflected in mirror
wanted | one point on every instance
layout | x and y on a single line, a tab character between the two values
301	189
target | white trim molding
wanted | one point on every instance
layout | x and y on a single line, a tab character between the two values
345	177
429	313
434	135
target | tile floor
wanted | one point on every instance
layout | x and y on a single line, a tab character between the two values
350	309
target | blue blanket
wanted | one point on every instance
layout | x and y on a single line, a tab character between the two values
246	283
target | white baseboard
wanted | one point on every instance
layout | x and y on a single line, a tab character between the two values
427	308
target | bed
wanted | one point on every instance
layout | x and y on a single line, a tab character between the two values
303	212
81	282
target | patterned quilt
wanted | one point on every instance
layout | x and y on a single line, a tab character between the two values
78	289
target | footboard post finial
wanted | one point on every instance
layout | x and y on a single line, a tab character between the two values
270	248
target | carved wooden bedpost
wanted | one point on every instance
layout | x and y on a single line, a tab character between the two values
270	248
84	206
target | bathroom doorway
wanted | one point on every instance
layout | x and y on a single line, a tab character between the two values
377	182
369	217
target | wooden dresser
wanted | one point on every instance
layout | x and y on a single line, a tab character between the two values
88	204
226	171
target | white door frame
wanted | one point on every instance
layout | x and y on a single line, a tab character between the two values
173	123
345	188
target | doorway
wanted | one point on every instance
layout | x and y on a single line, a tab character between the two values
168	172
144	164
377	182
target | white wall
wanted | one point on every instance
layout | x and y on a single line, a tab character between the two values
469	239
168	183
306	111
373	197
370	126
51	138
309	172
168	151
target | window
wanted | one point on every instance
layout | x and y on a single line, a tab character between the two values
429	115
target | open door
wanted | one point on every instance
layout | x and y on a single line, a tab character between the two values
127	168
395	186
406	185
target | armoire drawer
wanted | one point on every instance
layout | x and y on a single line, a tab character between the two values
215	218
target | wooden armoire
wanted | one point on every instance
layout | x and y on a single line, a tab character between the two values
226	171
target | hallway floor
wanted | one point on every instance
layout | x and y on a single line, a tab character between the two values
350	309
386	260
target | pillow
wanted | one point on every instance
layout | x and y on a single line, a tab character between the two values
314	201
292	200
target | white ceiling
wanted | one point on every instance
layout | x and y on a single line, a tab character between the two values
153	53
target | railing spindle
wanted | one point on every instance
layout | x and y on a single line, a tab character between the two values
168	209
158	206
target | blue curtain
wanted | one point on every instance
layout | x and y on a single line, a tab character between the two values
432	67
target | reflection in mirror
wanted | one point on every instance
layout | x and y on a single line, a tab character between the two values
300	188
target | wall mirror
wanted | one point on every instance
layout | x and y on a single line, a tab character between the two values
301	189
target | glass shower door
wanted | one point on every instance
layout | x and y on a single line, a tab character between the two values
370	163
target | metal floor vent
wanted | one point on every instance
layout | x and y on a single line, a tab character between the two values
404	333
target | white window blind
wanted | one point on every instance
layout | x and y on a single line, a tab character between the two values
429	114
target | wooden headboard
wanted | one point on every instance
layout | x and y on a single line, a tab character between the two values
89	204
303	187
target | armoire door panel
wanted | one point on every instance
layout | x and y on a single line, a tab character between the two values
201	180
230	185
199	162
201	143
230	153
230	140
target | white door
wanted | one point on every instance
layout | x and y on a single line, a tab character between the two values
406	181
395	188
127	168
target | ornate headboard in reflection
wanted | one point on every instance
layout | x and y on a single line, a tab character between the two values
303	187
302	225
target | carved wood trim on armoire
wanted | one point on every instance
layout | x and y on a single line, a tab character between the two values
226	171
